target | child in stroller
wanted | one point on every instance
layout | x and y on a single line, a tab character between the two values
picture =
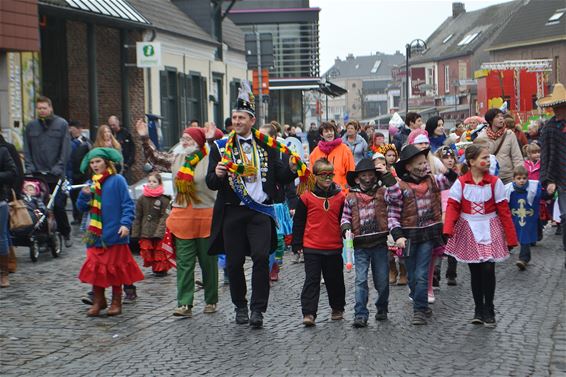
42	235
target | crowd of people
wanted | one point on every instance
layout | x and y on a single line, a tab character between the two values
396	207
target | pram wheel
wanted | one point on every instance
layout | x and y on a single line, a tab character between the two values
55	242
34	251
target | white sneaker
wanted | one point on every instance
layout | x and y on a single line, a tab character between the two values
431	299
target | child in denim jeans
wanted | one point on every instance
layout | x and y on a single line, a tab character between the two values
365	214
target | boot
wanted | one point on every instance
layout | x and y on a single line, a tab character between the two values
116	305
4	280
99	302
392	272
402	275
12	261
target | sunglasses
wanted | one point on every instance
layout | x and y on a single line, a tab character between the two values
325	174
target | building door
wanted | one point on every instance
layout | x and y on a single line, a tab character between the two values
169	107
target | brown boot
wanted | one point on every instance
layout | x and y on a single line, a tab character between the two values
116	305
392	272
402	275
12	261
98	303
4	280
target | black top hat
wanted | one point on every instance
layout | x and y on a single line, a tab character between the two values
407	154
364	165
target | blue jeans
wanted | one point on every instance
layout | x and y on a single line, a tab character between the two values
378	258
525	253
417	271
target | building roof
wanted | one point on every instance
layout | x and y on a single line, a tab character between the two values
464	34
232	35
166	16
376	66
530	25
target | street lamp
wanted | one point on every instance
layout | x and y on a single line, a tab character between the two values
417	46
332	73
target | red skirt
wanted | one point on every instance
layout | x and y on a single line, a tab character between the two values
464	247
106	267
153	255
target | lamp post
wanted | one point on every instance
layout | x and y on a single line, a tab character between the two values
417	46
332	73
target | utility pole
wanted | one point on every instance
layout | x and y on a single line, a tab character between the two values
259	105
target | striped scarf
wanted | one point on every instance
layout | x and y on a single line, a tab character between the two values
305	177
94	230
184	180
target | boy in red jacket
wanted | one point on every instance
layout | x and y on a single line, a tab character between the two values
317	235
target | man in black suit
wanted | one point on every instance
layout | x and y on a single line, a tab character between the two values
243	222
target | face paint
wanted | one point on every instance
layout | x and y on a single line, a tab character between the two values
483	163
367	180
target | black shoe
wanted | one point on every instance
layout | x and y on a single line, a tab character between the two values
489	318
360	322
419	318
428	312
522	265
451	281
242	316
160	274
381	315
256	320
88	298
435	282
478	317
68	242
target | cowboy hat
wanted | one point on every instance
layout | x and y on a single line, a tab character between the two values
556	98
364	165
407	154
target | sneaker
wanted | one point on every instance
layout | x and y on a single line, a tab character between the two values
428	312
431	299
451	281
209	308
381	315
419	318
309	320
337	315
489	318
198	285
296	258
522	265
68	242
88	298
130	296
360	322
183	311
478	318
301	258
242	316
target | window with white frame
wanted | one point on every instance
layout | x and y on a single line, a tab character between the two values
446	78
556	17
468	38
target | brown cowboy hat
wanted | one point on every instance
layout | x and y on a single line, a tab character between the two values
556	98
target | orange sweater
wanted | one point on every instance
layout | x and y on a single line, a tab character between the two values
342	159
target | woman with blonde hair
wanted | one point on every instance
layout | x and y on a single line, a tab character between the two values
105	139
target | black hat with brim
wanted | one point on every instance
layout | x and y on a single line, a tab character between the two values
407	154
364	165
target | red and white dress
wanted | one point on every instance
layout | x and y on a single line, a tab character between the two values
478	221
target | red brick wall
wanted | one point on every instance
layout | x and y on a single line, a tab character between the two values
19	25
77	71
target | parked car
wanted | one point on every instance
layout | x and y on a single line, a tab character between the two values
136	189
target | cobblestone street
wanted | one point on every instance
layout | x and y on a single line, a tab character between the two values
45	331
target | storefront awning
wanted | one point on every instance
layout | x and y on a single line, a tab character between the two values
111	8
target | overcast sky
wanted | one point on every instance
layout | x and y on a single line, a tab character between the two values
365	26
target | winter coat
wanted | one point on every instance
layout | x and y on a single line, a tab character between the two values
47	146
359	147
7	173
150	217
509	155
553	153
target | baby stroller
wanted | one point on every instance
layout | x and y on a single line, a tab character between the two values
42	235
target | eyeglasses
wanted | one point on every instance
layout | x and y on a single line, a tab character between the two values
325	174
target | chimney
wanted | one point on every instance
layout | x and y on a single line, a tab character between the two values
350	57
337	60
458	9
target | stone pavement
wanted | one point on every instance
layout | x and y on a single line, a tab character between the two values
44	329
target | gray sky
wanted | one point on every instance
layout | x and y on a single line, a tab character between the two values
364	26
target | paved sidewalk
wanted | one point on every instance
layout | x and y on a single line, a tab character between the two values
44	329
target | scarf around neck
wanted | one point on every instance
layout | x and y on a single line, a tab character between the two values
494	135
306	179
94	230
152	193
185	178
328	146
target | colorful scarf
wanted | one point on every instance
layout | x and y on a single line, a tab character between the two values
305	177
328	146
94	229
184	180
494	135
152	193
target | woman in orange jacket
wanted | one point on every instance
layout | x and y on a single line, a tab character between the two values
331	147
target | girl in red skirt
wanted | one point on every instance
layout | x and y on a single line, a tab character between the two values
479	224
149	225
109	261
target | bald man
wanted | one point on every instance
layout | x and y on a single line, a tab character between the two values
125	139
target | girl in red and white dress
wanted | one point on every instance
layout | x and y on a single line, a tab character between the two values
480	227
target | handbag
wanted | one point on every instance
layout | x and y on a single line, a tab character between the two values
19	215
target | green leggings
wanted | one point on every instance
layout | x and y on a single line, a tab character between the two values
187	253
